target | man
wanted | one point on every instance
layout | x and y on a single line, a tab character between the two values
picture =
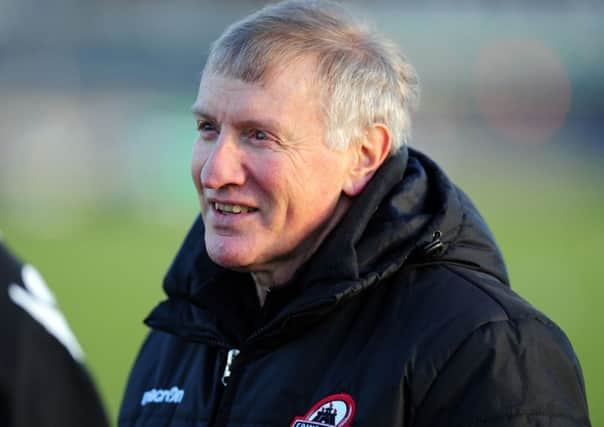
335	277
42	379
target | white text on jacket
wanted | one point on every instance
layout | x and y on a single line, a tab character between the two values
173	395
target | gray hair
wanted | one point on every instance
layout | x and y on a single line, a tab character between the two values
362	78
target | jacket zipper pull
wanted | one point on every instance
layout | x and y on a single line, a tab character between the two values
231	355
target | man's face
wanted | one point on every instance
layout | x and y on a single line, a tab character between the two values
267	182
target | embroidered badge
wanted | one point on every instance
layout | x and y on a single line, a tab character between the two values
335	410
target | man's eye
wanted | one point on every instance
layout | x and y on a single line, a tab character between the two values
262	138
205	126
258	134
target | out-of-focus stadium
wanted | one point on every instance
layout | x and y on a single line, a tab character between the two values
96	134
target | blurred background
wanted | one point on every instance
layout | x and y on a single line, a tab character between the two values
96	134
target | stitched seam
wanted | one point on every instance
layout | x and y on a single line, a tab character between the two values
478	287
452	356
470	333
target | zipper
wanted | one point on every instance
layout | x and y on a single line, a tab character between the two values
230	376
234	360
234	353
233	368
231	356
229	382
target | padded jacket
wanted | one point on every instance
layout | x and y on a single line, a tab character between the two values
403	317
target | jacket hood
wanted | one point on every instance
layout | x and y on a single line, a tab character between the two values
409	212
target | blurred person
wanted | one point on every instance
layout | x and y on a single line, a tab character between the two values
43	381
335	276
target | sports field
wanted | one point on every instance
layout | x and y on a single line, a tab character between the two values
105	264
94	150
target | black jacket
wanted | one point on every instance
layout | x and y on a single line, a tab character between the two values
42	380
403	317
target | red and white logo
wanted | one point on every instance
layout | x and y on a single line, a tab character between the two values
335	410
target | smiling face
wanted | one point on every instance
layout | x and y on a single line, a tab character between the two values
269	186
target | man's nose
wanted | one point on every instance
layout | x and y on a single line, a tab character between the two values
224	164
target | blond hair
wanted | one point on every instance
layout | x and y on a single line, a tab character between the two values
362	78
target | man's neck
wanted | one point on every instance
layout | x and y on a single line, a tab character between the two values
269	278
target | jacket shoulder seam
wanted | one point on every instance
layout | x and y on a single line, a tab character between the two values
462	342
477	286
509	320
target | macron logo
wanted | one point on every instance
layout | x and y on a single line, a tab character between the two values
174	395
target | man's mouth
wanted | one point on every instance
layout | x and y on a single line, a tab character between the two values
232	209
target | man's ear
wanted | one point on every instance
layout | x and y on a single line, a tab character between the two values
368	155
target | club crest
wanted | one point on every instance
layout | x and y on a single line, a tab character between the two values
335	410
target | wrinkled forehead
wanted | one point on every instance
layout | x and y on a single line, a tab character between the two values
302	68
287	97
282	78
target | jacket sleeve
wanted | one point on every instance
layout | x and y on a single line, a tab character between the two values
508	373
49	387
41	381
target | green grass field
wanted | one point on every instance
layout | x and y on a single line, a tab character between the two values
106	266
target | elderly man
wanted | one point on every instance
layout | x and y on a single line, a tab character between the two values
335	276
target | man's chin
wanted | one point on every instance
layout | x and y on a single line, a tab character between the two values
232	260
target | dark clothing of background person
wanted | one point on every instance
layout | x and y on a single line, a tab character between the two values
405	309
42	379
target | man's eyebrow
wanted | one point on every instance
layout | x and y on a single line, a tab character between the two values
199	111
265	123
262	123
